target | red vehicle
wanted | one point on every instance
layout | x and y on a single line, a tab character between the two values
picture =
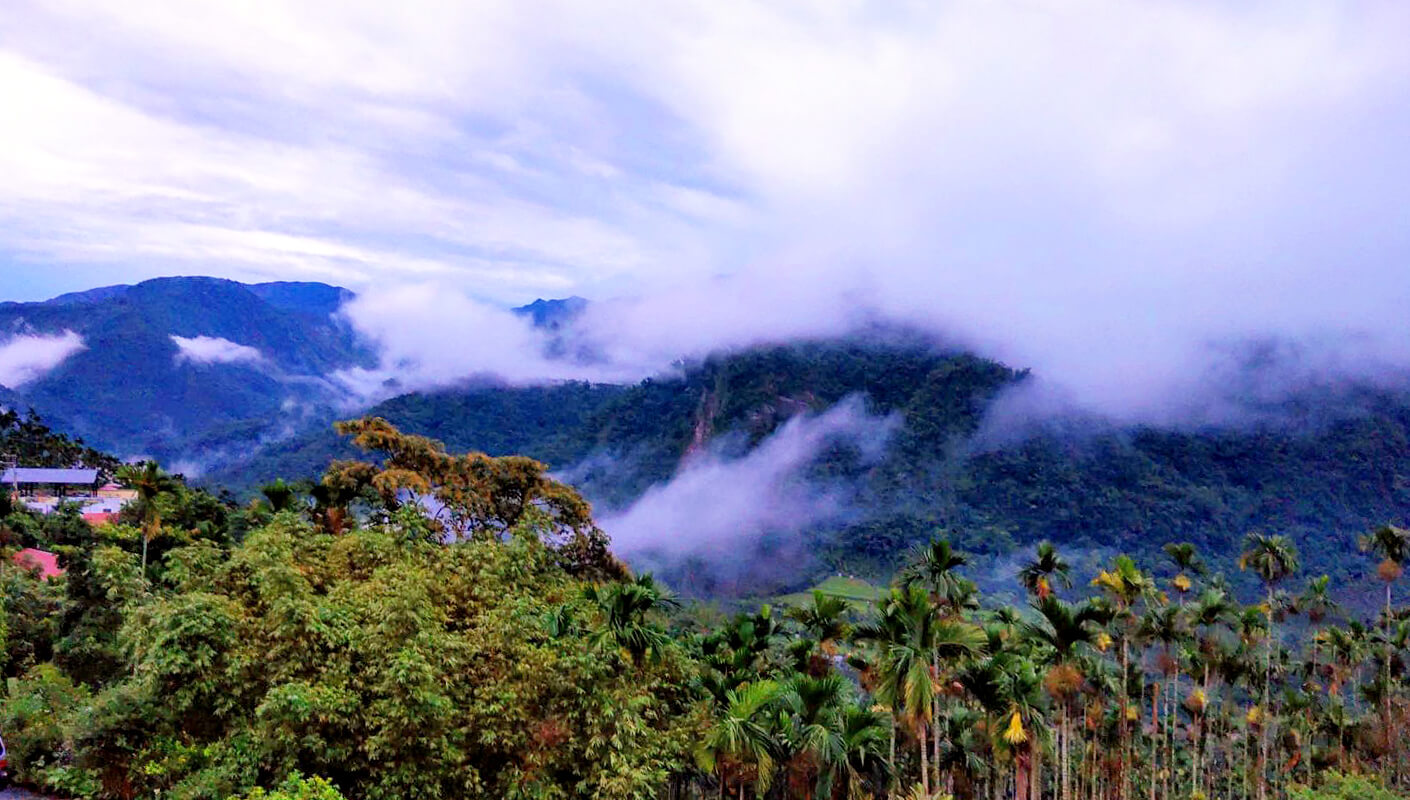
4	765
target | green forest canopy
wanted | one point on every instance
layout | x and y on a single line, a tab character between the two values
345	642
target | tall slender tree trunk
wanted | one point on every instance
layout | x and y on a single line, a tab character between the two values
891	781
935	715
924	760
1035	780
1267	720
1392	745
1157	692
1125	725
1063	744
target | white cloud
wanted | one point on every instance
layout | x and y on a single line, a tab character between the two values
431	335
213	350
27	357
716	502
1107	192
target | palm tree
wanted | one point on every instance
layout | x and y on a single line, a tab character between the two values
1037	575
151	482
1007	686
911	635
1273	558
1211	615
824	619
863	750
741	737
1125	585
1316	600
1392	545
1186	560
934	566
815	706
1062	628
626	607
1167	626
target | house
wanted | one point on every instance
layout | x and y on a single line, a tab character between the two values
115	491
102	510
45	482
47	564
44	489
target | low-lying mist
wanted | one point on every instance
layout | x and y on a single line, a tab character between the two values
745	514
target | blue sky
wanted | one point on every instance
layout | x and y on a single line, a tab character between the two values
1053	183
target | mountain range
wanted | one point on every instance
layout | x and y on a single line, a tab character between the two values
755	433
185	369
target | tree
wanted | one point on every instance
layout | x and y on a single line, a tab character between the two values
1063	628
740	740
1392	545
863	750
935	566
1037	575
1186	560
816	704
474	495
1125	584
1272	558
908	631
1316	599
626	608
279	495
151	483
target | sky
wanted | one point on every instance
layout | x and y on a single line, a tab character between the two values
1114	194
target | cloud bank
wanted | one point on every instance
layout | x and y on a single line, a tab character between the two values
716	503
212	350
27	357
1116	195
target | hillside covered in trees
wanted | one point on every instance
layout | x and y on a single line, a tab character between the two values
442	626
1092	488
189	369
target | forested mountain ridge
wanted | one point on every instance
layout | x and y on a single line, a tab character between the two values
338	641
1094	490
1090	487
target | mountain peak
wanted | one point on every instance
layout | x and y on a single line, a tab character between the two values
553	313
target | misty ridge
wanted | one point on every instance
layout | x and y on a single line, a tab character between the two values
792	481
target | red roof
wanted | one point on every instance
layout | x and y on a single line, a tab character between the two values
46	563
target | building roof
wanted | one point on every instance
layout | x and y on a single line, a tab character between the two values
40	475
46	563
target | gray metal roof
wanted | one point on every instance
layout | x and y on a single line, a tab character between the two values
23	475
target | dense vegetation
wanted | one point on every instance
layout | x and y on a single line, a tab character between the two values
1092	489
31	443
430	625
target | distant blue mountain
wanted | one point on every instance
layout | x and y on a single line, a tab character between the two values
132	391
553	314
309	298
89	296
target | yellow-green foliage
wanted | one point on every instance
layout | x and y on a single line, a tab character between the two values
1338	786
390	664
297	787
